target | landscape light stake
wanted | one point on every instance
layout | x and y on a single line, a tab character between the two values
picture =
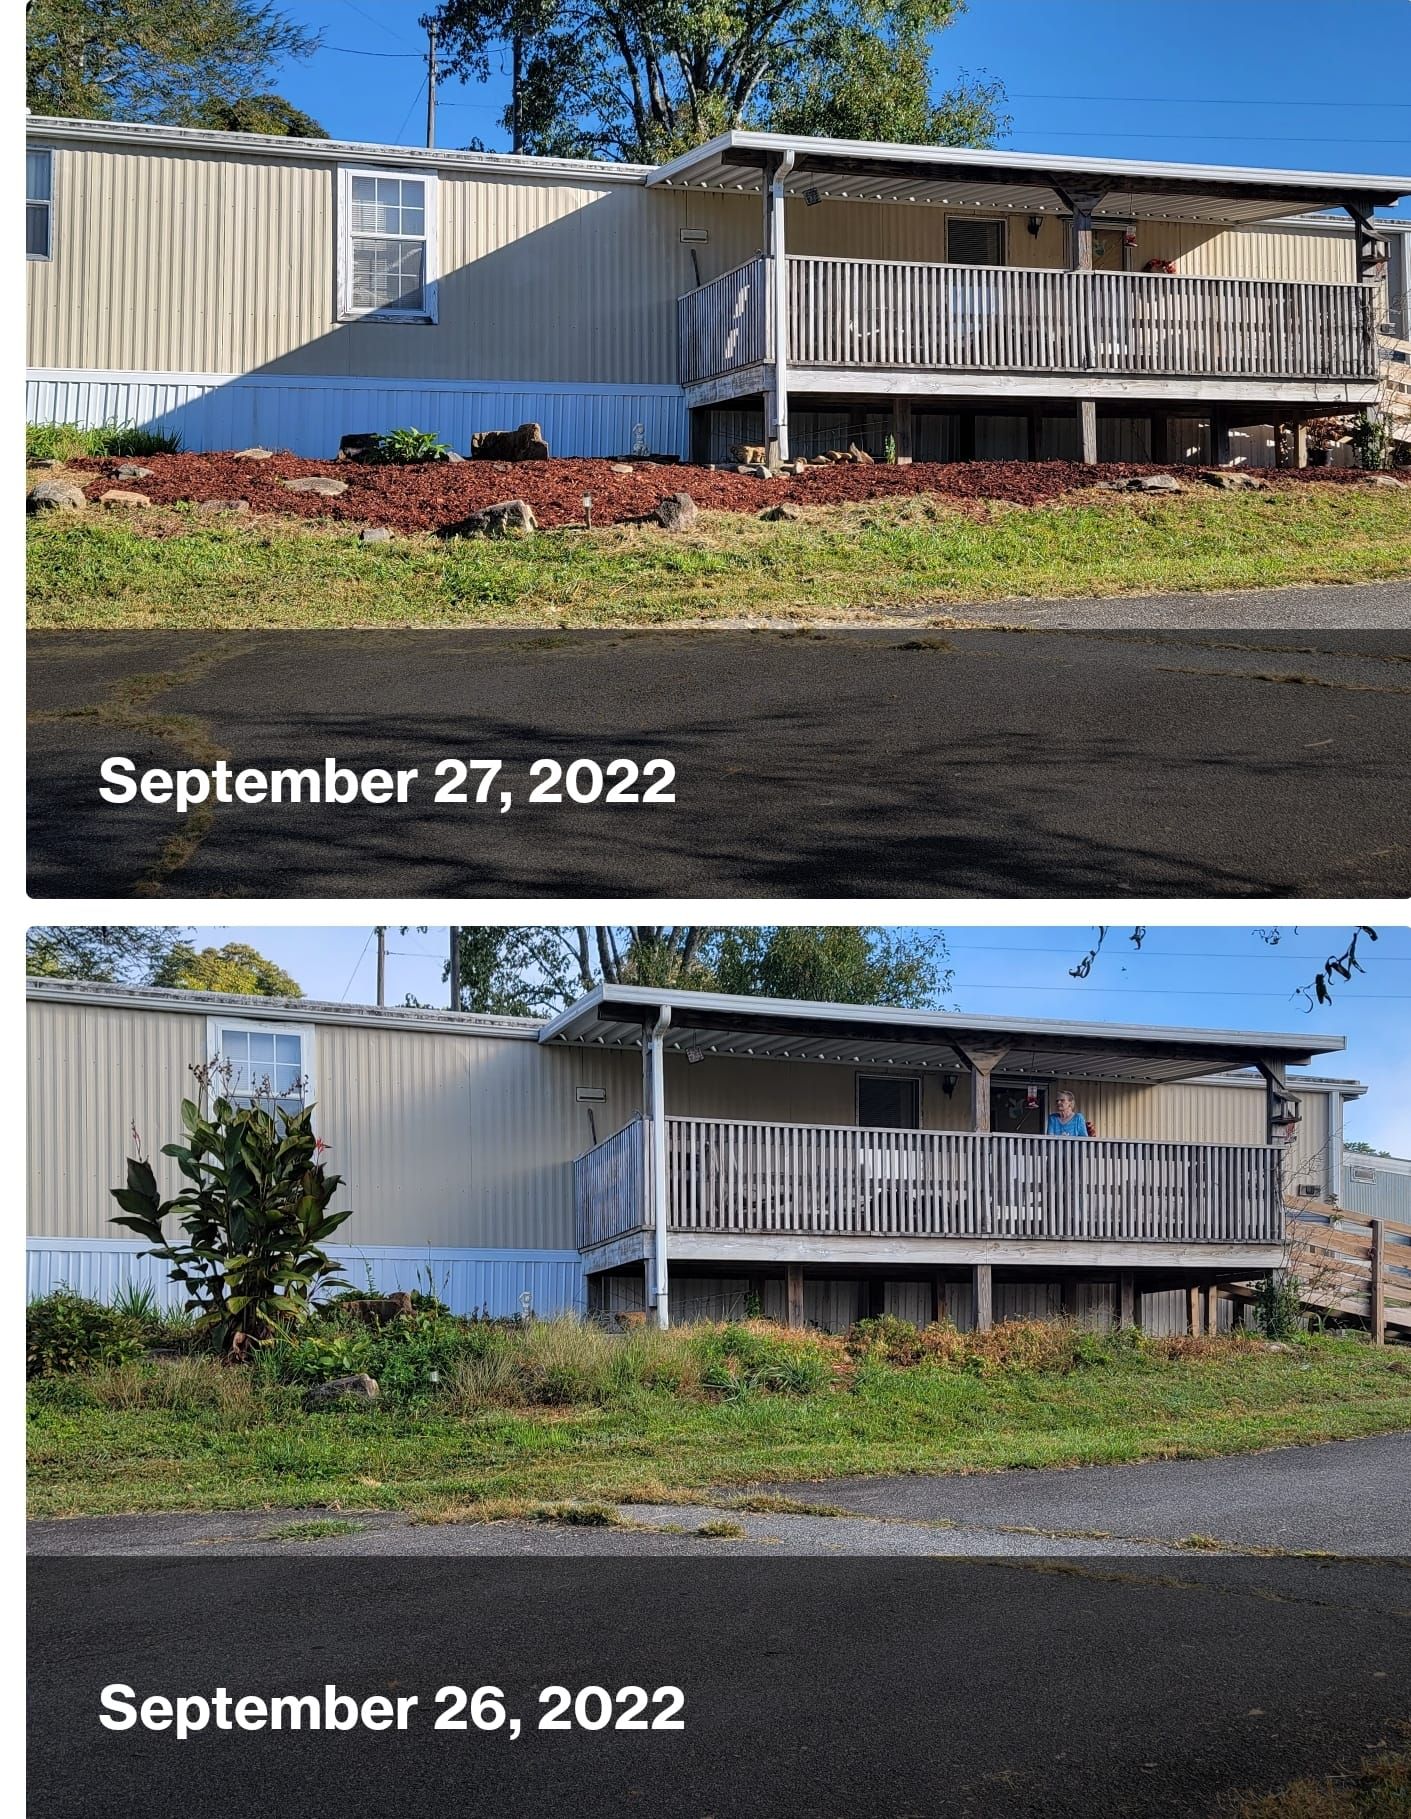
587	511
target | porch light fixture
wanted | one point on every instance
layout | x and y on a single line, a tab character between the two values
1036	223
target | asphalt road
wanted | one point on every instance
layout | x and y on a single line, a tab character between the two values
894	763
841	1688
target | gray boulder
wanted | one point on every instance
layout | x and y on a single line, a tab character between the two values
1155	483
118	496
131	471
358	1387
253	454
676	512
321	484
377	533
213	507
511	516
55	496
1233	480
783	513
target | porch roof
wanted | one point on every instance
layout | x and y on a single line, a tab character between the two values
716	1023
1024	182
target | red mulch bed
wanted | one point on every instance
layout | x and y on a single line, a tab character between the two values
437	495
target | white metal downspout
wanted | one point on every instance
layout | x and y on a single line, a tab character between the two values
657	1139
780	264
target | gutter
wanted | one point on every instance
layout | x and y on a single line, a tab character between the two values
656	1139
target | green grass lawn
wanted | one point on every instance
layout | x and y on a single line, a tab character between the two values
197	1436
843	563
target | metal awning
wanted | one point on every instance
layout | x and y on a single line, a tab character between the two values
778	1029
1024	182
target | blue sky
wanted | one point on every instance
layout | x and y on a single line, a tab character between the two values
1289	83
1214	978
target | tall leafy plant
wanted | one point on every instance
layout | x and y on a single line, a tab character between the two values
254	1208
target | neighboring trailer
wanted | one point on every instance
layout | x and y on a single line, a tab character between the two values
236	288
458	1136
1379	1186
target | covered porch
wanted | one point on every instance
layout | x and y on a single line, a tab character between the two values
937	1217
1039	295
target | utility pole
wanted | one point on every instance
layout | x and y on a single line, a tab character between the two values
516	112
455	969
431	85
382	966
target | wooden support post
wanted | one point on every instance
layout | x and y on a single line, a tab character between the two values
982	1277
1126	1299
1210	1309
902	430
938	1298
1087	430
1378	1298
1300	444
1193	1310
793	1293
1281	454
982	1063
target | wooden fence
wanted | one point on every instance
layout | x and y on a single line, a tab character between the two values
1350	1263
1396	386
835	1180
880	314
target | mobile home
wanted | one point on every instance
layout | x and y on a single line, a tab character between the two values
802	293
698	1155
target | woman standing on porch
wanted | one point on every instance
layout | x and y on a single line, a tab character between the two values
1067	1120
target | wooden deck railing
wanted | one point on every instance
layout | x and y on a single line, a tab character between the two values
875	314
609	1189
834	1180
1351	1263
722	327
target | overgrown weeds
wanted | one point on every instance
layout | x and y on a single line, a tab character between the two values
67	441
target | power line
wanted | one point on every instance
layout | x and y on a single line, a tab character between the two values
343	995
381	24
407	116
1208	100
346	50
1208	138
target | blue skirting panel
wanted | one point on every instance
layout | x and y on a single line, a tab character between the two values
470	1282
309	415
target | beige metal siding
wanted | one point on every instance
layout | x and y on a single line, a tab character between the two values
187	261
461	1141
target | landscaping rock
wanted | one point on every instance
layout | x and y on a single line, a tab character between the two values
749	454
253	454
359	446
55	496
1155	483
214	506
623	467
498	521
116	495
130	471
1389	480
523	444
321	484
452	456
377	533
781	514
676	512
755	470
1233	480
859	456
43	461
357	1388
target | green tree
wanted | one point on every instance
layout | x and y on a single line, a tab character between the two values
259	114
109	956
165	60
236	968
902	967
645	79
1359	1148
513	972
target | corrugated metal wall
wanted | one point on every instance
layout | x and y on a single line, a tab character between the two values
469	1282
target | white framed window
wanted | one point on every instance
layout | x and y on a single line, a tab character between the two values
39	205
271	1062
386	246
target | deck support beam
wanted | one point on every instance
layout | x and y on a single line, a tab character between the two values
1087	431
1193	1310
793	1294
902	434
776	293
654	1128
982	1062
982	1280
1081	203
938	1298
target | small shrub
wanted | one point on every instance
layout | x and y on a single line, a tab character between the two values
886	1338
67	1332
755	1356
1278	1310
137	1302
402	447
